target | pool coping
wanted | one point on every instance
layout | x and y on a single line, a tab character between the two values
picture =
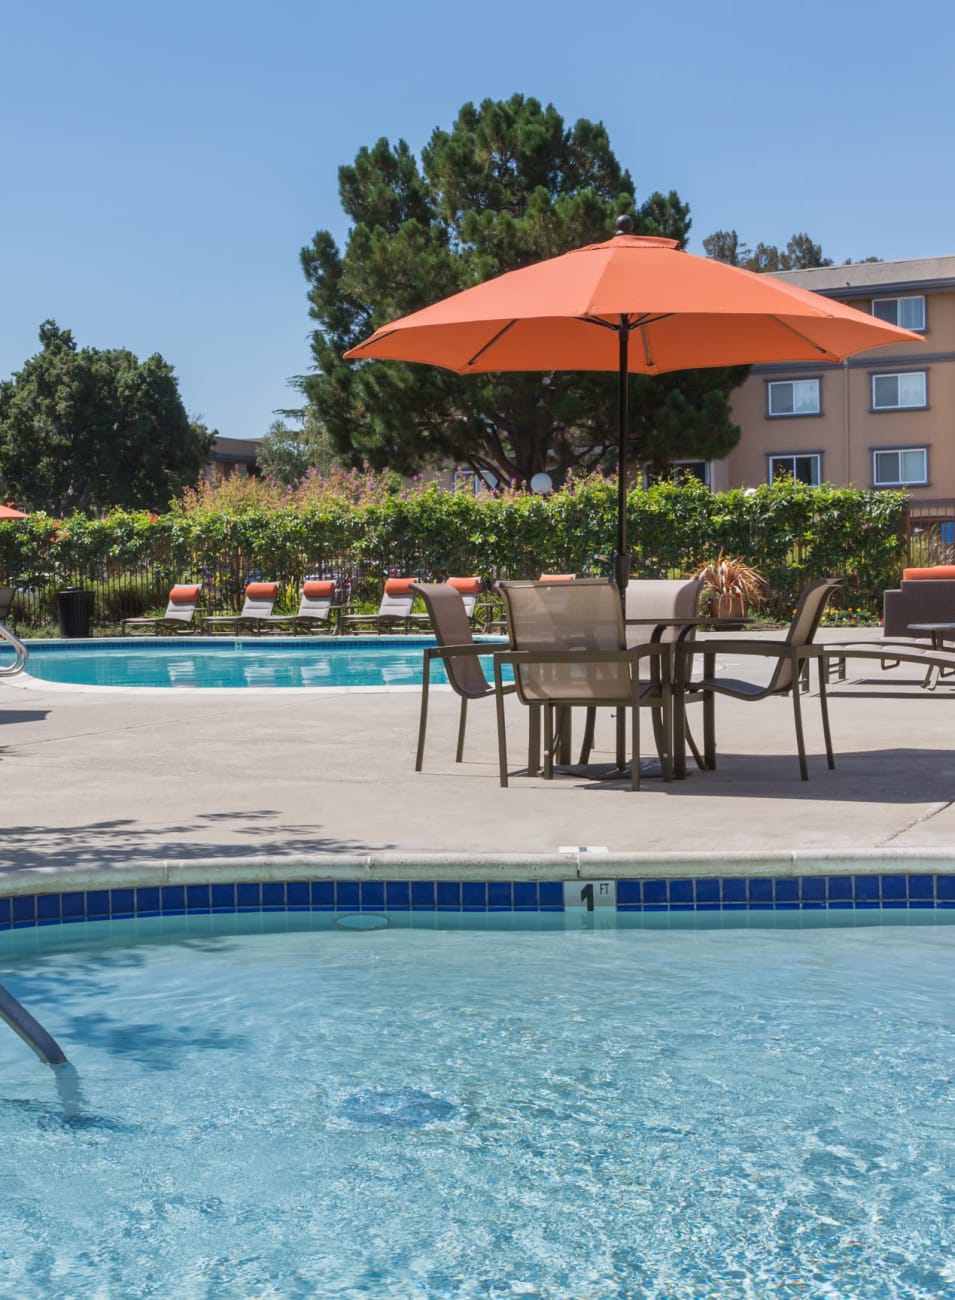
577	863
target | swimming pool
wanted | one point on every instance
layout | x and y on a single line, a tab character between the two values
454	1105
278	663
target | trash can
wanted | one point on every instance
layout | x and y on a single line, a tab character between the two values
75	608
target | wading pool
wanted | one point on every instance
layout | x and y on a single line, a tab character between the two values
406	1104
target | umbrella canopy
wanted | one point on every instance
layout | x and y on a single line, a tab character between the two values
636	305
7	512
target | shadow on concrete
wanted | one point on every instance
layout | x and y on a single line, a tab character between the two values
914	777
253	833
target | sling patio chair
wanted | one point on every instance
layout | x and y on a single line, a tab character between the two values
316	609
393	611
792	656
458	651
260	598
179	618
663	611
568	650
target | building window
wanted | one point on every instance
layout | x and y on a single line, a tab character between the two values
804	469
907	312
895	392
794	397
900	467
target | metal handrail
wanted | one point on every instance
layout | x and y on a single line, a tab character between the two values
30	1030
22	653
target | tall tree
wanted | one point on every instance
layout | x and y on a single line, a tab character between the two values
87	429
800	254
508	185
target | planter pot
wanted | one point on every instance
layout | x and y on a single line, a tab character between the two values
726	606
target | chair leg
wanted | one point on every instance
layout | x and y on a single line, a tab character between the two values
800	739
549	742
824	709
587	743
634	741
501	728
534	740
688	735
423	720
462	724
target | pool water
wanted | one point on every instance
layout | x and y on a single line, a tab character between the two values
350	661
574	1108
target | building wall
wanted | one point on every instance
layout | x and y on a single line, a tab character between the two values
847	430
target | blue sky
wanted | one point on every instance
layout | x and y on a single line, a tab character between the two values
164	164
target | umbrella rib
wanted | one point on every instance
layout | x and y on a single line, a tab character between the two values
491	341
825	352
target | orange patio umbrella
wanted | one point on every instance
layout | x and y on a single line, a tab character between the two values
8	512
636	305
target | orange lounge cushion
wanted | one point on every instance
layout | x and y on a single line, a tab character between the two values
558	577
262	591
938	573
399	586
184	595
466	586
318	590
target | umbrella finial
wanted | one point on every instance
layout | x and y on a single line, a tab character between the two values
624	225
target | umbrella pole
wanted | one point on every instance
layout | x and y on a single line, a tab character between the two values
621	559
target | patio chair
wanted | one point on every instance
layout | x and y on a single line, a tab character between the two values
568	650
792	656
655	610
458	651
394	610
315	611
179	618
260	598
469	589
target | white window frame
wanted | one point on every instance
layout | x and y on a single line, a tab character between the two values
900	480
794	414
793	456
899	375
893	316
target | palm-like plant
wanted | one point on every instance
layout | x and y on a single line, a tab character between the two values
730	585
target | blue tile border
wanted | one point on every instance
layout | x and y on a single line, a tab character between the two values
758	894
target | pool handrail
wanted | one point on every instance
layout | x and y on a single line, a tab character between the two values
30	1030
22	653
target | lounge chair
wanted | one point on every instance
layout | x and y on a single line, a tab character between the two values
792	656
469	589
179	618
6	602
315	609
458	651
394	610
260	598
568	650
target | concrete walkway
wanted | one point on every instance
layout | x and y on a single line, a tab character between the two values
98	780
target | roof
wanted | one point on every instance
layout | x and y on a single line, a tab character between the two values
868	279
238	450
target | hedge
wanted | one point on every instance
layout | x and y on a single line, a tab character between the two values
792	533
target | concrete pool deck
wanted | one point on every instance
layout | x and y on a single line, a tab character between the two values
101	782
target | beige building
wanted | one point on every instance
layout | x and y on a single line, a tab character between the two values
884	418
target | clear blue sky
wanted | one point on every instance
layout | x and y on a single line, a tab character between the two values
163	164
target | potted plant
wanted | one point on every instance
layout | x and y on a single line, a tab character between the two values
731	586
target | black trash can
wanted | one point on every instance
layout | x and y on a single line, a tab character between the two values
75	608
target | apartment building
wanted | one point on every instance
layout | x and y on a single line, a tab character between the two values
883	418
